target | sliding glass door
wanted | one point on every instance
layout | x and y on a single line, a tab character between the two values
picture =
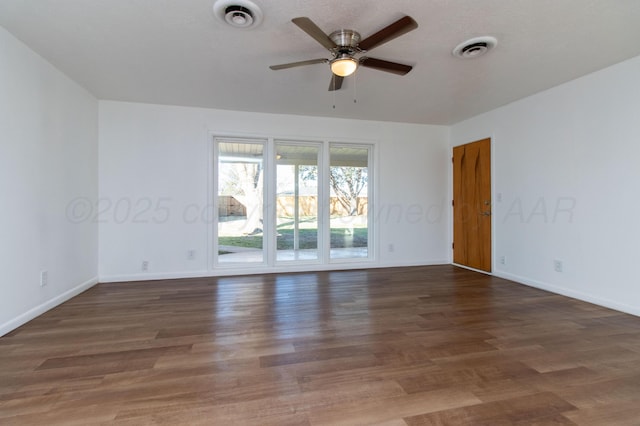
296	201
349	201
240	191
282	201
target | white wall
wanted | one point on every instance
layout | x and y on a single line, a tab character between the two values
567	164
158	156
48	157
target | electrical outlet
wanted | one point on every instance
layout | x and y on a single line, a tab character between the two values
557	265
145	265
391	248
503	260
191	254
44	278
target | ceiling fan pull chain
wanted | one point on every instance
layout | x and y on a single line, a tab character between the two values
355	88
333	80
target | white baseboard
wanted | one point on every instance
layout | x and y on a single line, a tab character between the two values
118	278
44	307
410	264
230	271
472	269
586	297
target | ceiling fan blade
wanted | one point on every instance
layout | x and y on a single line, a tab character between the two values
336	82
309	27
298	64
398	28
382	65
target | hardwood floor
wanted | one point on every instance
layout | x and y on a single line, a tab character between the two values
405	346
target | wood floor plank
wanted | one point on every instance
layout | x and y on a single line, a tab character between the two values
435	345
391	409
541	408
623	413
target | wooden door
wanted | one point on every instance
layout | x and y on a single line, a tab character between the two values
472	205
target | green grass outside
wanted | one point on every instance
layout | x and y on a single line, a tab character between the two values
340	238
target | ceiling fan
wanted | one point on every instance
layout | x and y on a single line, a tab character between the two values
344	45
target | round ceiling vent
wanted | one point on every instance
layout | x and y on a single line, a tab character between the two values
238	13
474	47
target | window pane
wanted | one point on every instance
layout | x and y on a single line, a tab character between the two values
296	202
240	201
348	178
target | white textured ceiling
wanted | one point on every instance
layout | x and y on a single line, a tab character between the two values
176	52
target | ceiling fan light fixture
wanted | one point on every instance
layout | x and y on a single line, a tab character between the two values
344	65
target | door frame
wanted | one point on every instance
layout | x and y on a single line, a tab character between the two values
493	202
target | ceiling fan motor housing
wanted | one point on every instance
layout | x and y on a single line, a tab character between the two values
345	38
